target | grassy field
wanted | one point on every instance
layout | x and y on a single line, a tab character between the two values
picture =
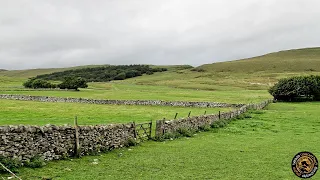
239	81
297	60
258	148
42	113
144	92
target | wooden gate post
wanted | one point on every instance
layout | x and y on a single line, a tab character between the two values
77	145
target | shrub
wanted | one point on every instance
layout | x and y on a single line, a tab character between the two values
11	164
244	116
159	69
130	142
36	162
38	83
186	132
149	72
167	136
205	128
219	124
198	69
298	88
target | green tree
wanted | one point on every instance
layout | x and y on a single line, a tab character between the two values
38	83
297	88
73	83
28	83
120	76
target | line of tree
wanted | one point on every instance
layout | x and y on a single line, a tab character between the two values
103	73
299	88
67	83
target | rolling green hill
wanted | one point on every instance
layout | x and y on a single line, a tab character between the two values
298	60
257	73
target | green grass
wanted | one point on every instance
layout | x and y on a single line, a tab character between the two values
258	148
126	90
15	112
297	60
257	73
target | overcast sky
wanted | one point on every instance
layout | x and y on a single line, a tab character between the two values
59	33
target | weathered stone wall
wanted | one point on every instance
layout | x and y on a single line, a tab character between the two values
119	102
57	142
171	126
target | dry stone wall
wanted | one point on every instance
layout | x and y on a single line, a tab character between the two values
119	102
172	126
58	142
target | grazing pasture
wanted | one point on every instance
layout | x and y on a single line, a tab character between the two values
260	147
13	112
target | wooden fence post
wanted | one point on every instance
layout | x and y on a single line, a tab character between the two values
189	114
163	130
175	117
150	131
77	145
219	115
134	129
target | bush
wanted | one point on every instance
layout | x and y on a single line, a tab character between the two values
38	83
186	132
205	128
11	164
130	142
219	124
159	69
244	116
36	162
198	69
149	72
300	88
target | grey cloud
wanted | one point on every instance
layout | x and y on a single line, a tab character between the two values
57	33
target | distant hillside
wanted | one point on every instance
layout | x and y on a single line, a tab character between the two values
28	73
298	60
2	70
